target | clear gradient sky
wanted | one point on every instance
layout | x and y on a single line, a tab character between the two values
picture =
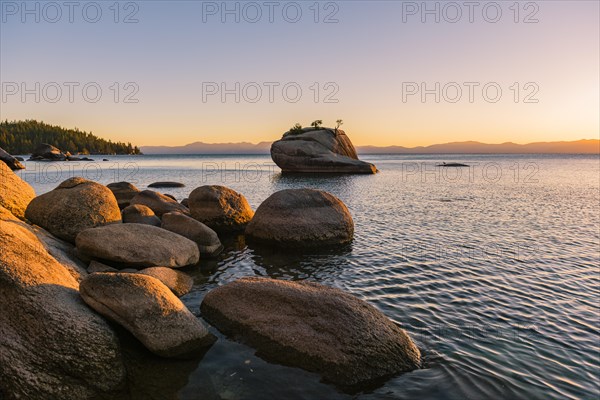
370	55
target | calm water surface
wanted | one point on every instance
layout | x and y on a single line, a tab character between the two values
494	270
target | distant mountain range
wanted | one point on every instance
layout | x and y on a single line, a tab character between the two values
589	146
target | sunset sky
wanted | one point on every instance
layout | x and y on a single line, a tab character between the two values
178	53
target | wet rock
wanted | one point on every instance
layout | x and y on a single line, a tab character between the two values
314	327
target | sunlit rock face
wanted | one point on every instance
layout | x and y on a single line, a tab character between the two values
321	151
75	205
149	310
15	193
52	346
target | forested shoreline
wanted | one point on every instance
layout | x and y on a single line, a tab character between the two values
22	137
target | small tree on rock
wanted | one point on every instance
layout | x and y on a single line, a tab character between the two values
317	124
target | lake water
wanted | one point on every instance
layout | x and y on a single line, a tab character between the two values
494	270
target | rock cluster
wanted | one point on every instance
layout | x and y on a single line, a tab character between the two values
97	255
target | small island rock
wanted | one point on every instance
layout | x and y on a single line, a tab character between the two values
323	151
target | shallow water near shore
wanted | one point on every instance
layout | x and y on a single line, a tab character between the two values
493	269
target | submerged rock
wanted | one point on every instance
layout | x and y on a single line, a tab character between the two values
124	192
52	346
139	214
10	161
314	327
137	245
301	218
147	309
15	193
207	240
179	282
75	205
166	185
452	164
159	203
220	208
323	150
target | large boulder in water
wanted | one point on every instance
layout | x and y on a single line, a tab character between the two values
220	208
301	218
147	309
12	162
48	152
75	205
314	327
124	192
158	202
138	246
322	150
15	193
52	346
207	240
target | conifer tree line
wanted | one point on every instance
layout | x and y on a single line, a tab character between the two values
22	137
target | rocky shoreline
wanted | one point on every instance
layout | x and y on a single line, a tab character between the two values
87	269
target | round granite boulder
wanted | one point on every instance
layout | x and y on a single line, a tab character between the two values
75	205
301	218
221	208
